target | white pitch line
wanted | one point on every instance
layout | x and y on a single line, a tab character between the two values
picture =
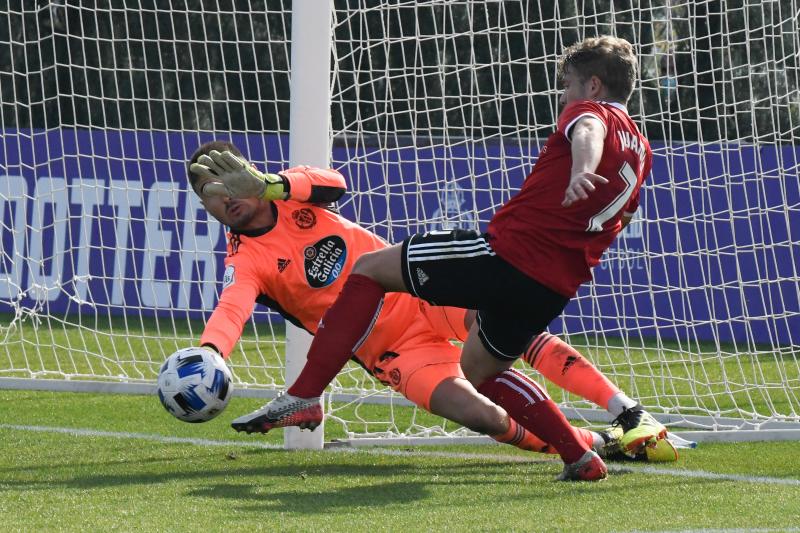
620	469
674	472
728	530
142	436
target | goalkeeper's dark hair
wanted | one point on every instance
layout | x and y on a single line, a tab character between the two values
219	146
609	58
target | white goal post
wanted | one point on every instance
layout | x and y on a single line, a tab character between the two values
309	144
435	112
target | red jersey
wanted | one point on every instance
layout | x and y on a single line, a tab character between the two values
557	246
297	267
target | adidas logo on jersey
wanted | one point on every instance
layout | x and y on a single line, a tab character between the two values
422	277
282	264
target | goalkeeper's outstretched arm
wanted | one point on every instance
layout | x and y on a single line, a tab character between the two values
224	327
227	174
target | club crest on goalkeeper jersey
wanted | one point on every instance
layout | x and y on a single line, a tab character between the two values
557	246
297	268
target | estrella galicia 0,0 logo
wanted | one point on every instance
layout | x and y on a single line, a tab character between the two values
324	261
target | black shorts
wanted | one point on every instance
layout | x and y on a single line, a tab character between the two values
459	268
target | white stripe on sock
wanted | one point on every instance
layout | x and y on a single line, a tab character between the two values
516	388
527	384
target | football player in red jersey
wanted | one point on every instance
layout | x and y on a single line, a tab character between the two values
519	275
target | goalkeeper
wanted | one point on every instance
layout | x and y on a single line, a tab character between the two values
293	256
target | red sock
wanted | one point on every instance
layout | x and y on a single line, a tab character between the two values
527	403
563	365
525	440
342	328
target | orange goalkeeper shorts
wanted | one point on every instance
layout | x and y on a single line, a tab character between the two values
446	321
421	358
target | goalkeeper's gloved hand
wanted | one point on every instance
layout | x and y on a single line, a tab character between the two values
233	176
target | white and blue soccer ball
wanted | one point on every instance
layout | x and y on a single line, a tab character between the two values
194	384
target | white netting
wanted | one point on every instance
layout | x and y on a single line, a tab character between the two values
438	110
695	311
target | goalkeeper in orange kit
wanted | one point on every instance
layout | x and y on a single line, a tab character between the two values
291	254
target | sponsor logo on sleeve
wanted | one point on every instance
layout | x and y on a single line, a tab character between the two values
324	261
228	278
304	218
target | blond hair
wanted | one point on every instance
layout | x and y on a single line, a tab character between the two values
609	58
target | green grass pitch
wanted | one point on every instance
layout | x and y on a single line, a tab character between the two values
76	461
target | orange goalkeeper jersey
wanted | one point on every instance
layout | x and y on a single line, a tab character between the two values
297	268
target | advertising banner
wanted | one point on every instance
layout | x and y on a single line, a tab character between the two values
103	221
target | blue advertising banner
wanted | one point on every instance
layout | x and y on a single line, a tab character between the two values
94	220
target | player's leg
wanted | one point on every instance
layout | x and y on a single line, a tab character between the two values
454	323
561	364
566	367
523	399
429	375
457	400
384	267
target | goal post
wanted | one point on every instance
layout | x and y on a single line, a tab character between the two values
309	144
435	112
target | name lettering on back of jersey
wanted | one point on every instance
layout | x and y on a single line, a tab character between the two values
282	264
630	141
228	278
324	261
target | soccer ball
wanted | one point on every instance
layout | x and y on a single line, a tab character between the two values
194	384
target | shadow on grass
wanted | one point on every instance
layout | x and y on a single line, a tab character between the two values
321	483
348	473
315	500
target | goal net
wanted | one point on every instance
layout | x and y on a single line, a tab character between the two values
438	110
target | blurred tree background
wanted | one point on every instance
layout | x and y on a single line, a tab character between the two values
711	70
